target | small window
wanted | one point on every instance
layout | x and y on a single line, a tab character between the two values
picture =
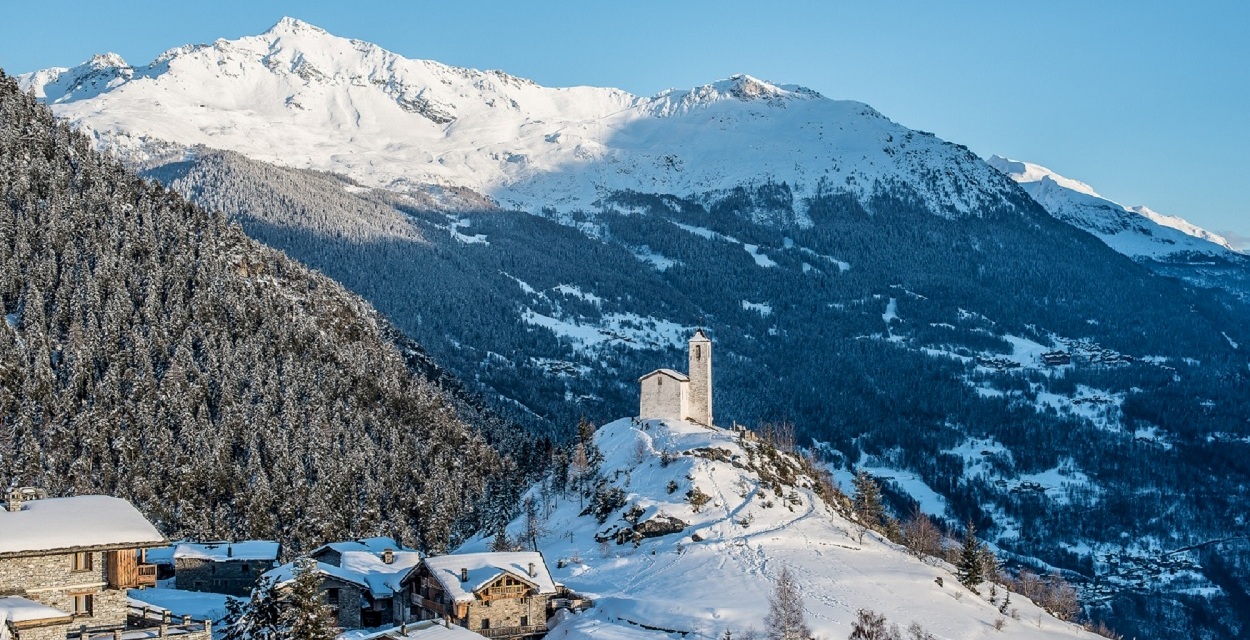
525	621
82	561
659	380
83	604
332	596
246	568
485	623
698	351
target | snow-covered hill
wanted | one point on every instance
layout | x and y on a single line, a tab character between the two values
1137	232
298	96
717	572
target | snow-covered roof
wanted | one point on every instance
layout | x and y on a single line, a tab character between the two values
676	375
285	574
383	579
427	630
77	522
361	568
484	568
161	555
374	545
18	609
223	551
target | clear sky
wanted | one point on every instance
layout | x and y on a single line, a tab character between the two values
1146	101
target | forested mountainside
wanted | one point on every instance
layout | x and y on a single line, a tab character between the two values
1168	245
897	340
151	350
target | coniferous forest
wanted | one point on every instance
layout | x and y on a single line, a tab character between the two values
152	351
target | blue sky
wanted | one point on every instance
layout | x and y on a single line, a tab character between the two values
1146	101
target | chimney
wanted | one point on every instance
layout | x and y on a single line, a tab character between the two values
15	500
464	574
388	556
229	550
533	571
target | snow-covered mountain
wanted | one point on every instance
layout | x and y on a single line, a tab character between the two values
301	97
713	574
1137	232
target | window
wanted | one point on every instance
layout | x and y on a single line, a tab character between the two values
485	623
525	621
698	351
332	596
83	604
246	569
82	561
659	380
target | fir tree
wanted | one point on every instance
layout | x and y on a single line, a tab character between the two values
971	567
256	618
304	616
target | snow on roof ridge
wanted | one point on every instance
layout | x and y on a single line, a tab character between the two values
224	551
672	373
90	521
485	567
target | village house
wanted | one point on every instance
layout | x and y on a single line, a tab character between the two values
497	595
231	568
66	564
359	580
670	394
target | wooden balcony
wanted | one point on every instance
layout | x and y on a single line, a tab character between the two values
124	570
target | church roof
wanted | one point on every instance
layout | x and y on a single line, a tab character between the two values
676	375
699	335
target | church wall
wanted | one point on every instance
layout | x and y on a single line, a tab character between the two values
700	388
662	397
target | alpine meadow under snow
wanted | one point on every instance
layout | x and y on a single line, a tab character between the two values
993	342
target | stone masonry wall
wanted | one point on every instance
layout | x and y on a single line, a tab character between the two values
508	612
54	632
232	577
51	580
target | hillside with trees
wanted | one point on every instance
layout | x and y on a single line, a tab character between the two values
150	350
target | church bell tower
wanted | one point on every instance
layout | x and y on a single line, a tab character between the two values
700	398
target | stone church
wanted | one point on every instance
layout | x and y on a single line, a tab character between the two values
674	395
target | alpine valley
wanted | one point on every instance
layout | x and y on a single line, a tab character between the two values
993	342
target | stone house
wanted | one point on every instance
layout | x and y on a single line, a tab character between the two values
665	393
66	564
497	595
359	580
231	568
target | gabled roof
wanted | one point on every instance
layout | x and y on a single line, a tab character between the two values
485	568
676	375
285	574
79	522
362	568
225	551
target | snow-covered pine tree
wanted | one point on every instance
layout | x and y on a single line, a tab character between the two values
256	618
304	616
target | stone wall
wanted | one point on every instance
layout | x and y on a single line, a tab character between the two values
53	632
507	612
55	570
350	601
51	580
662	397
231	577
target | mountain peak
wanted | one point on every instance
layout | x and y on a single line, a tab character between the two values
105	60
288	25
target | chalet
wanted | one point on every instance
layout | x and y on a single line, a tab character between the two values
665	393
358	583
231	568
1056	358
497	595
66	563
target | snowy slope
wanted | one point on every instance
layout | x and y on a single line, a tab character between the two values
1137	232
298	96
716	574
